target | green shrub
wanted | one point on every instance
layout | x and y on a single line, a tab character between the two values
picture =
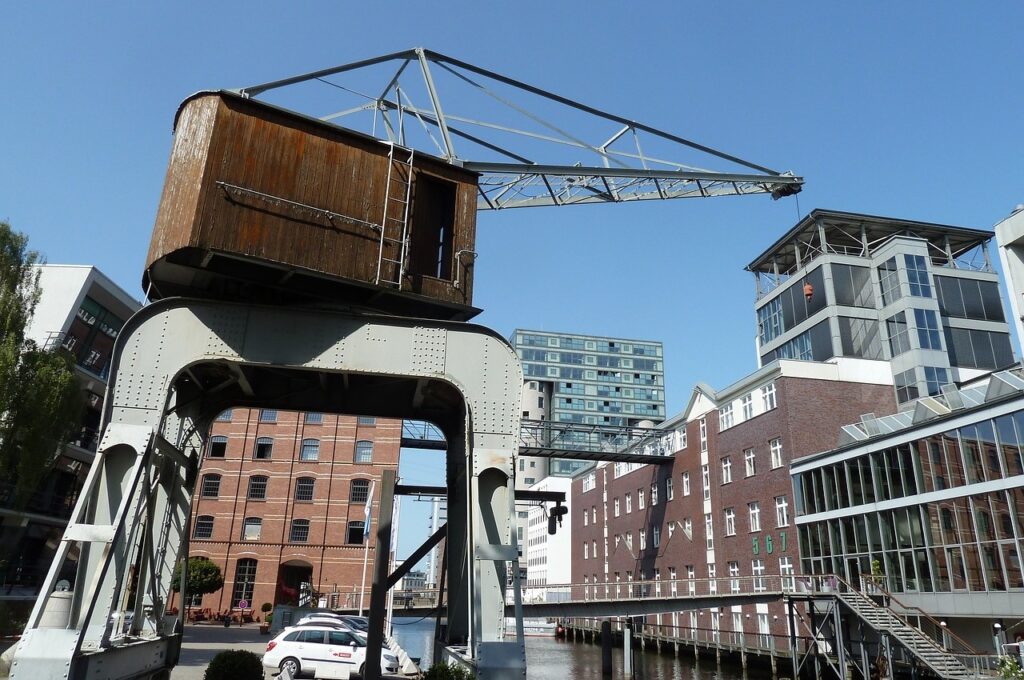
444	671
235	664
266	607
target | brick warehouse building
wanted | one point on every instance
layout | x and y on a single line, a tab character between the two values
280	501
724	506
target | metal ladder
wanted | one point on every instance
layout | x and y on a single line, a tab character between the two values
394	230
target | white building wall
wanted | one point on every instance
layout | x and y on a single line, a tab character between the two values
550	557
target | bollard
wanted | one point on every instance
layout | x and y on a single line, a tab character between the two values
627	649
606	648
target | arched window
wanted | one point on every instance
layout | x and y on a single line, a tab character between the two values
252	528
364	451
264	448
204	527
218	447
360	491
310	449
245	582
211	486
300	531
257	487
304	488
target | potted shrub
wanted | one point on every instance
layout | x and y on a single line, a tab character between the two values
268	617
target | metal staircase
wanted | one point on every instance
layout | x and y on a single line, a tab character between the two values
922	646
394	226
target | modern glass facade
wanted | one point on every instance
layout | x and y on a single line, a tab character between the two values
941	513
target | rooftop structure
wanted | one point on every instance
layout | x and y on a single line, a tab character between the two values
922	296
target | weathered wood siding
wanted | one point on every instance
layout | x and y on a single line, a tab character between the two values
223	138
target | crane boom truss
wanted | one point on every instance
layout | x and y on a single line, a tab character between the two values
550	150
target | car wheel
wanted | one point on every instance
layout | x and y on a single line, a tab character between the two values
362	670
291	664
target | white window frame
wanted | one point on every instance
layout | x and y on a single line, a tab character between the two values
747	404
757	569
781	511
709	531
641	500
750	462
725	419
686	483
616	506
730	521
768	396
654	494
726	470
705	481
754	512
775	445
629	502
669	491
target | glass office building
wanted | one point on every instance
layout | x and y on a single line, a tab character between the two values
934	499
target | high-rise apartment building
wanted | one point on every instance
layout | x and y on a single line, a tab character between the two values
280	506
922	296
82	311
588	380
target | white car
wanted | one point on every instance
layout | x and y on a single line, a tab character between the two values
305	650
323	620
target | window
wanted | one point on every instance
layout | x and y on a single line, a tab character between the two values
641	499
768	396
304	489
252	527
364	451
360	491
781	511
686	483
245	581
917	275
218	447
668	488
341	637
906	386
705	479
770	320
654	493
703	435
310	450
593	515
629	503
593	549
713	588
726	470
211	486
268	415
786	571
730	522
204	527
757	566
692	587
775	447
355	533
725	418
671	528
889	281
935	378
586	517
734	577
314	418
970	299
747	403
586	550
616	506
643	539
299	532
688	527
749	463
928	330
709	535
257	488
588	481
264	448
225	415
366	420
899	336
755	516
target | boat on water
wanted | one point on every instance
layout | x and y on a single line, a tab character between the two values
536	627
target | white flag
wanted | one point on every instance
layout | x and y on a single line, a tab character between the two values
366	511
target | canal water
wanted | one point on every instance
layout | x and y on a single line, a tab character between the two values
553	659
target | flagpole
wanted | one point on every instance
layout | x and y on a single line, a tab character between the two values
366	542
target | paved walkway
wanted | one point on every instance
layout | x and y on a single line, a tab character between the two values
202	642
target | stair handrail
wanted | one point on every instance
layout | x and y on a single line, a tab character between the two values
967	649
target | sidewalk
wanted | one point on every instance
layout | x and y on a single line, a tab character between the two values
202	642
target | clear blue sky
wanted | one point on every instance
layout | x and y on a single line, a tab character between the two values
910	109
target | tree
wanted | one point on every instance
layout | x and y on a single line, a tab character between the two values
204	577
41	400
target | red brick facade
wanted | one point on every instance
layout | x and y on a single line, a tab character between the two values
310	475
806	419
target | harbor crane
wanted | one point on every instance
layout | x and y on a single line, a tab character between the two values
314	250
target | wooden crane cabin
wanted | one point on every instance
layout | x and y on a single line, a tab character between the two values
265	205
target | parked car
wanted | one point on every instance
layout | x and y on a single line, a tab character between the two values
324	620
305	649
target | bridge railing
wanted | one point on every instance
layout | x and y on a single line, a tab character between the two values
652	589
703	636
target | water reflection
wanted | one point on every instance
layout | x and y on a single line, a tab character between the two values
551	659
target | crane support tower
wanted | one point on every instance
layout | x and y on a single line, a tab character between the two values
298	264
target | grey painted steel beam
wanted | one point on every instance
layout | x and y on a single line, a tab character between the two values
172	373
